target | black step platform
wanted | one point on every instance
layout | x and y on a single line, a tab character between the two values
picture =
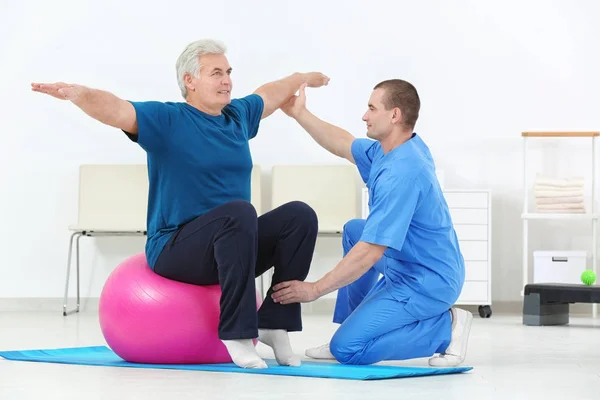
548	303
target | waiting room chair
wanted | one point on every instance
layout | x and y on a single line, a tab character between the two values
331	190
112	202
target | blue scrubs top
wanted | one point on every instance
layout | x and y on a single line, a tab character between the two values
409	214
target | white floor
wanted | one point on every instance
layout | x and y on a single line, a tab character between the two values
510	360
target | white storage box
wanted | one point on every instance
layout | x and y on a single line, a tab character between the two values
558	266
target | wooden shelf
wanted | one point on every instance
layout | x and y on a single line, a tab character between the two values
560	134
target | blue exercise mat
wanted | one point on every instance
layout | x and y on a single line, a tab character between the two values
103	356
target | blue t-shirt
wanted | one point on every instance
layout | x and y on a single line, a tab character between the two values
409	214
196	161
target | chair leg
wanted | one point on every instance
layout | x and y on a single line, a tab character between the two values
65	312
77	261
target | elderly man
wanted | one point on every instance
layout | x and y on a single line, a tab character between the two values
202	228
408	237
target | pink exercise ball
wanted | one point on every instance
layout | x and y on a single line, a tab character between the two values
146	318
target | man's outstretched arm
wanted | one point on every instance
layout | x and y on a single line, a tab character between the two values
98	104
275	94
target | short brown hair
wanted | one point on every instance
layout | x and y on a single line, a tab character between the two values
401	94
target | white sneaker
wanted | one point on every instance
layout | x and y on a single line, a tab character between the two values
321	352
456	352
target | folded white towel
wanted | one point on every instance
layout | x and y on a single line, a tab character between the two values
561	206
559	200
557	193
558	188
562	182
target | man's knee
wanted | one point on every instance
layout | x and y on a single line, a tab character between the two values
306	217
241	213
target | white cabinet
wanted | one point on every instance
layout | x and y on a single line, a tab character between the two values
471	212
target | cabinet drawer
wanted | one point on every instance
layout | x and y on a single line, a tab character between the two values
474	250
476	270
471	232
474	292
469	216
466	199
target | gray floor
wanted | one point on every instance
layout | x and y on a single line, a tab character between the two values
510	360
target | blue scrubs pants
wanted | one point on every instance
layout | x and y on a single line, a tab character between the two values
375	325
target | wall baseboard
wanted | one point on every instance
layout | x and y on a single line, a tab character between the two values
322	306
326	306
33	304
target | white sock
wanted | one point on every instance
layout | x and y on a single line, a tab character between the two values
243	353
279	341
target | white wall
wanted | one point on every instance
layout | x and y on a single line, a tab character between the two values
485	73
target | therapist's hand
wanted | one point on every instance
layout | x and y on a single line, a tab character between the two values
296	104
295	292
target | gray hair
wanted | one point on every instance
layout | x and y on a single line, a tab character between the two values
189	62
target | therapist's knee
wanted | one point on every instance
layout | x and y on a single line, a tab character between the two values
341	349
